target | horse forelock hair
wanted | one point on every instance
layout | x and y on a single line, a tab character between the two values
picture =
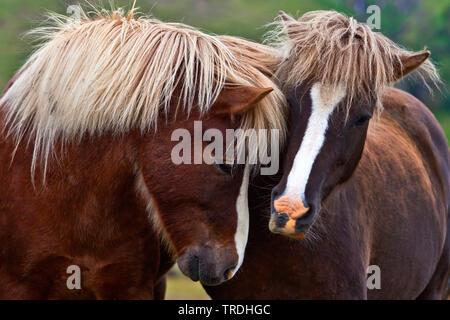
111	71
337	51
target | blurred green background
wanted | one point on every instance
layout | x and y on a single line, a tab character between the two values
415	24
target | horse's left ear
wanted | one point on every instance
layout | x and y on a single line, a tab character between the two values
288	23
239	99
410	63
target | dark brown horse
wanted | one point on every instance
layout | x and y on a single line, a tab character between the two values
87	168
362	192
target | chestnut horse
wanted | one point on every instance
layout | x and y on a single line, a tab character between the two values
359	192
88	180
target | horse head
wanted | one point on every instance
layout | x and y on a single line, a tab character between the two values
333	79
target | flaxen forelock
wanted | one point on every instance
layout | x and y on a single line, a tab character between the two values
335	50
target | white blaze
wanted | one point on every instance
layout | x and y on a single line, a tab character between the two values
241	235
323	102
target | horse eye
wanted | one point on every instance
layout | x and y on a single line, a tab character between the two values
225	168
362	121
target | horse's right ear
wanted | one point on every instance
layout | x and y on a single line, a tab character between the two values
288	23
238	99
409	63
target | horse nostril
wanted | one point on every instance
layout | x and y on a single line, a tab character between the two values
281	220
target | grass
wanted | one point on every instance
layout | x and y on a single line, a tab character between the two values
16	17
183	288
180	287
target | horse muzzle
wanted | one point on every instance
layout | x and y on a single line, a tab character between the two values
291	218
210	266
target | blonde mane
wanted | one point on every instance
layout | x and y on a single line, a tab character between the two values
111	71
262	57
335	50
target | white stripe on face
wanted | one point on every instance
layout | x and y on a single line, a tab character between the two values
241	235
323	102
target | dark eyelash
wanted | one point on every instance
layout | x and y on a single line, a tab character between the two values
362	120
226	168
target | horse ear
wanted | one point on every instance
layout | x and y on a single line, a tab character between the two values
286	18
239	99
288	21
409	63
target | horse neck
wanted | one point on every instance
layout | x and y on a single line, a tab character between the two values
91	182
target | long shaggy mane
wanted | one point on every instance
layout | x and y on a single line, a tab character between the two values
112	71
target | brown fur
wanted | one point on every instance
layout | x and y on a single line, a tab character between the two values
77	219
